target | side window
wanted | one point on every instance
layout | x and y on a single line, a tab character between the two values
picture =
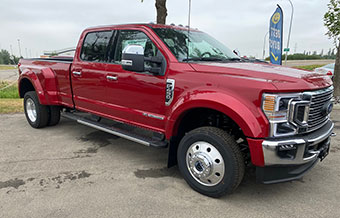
135	37
95	46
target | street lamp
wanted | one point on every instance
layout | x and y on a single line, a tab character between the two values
290	30
10	46
19	48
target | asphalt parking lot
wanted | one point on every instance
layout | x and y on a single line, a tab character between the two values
74	171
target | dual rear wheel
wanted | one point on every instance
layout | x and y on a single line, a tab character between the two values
38	115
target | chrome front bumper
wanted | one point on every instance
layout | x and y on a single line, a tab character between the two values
299	150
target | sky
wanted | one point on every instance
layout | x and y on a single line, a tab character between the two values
45	25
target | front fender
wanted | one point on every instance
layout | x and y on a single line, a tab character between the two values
44	83
244	113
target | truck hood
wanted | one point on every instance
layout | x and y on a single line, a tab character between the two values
283	78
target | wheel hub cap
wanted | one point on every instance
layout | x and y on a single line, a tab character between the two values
31	110
200	165
205	163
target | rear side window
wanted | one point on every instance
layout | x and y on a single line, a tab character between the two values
95	46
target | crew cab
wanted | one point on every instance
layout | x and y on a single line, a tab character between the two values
172	87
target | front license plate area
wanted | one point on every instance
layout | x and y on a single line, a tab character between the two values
324	150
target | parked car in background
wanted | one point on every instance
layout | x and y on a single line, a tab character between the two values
327	69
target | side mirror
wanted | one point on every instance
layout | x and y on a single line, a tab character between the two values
133	58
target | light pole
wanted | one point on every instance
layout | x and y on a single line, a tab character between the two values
264	45
11	50
290	30
19	48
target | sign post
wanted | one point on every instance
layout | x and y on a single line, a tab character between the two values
275	36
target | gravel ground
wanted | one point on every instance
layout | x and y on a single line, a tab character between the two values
74	171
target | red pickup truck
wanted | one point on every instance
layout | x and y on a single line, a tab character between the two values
165	86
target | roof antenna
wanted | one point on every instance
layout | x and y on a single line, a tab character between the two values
188	30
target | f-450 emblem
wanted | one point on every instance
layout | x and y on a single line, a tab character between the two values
169	94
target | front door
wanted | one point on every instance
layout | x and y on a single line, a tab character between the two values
134	97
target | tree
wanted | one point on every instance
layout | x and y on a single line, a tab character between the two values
332	22
161	11
5	57
15	60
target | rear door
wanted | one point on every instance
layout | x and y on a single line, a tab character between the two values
88	72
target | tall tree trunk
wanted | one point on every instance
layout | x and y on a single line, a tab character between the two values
161	11
337	74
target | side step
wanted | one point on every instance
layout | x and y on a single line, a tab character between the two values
154	141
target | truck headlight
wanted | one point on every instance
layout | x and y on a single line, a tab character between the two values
276	107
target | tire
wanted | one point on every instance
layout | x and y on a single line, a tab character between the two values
54	115
37	115
206	147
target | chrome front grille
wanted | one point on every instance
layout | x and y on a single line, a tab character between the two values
317	118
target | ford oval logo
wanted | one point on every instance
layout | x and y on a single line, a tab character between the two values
327	109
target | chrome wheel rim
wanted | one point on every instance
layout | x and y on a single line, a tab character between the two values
31	110
205	163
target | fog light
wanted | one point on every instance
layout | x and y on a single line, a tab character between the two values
287	151
286	147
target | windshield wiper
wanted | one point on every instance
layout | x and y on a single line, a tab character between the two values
234	59
203	59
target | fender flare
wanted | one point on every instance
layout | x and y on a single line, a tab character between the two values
247	117
44	83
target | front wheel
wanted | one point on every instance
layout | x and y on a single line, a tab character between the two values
37	114
210	161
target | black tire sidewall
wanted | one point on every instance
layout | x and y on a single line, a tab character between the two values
54	115
226	185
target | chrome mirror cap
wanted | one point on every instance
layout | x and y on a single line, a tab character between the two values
134	49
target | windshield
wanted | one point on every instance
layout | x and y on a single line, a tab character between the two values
202	47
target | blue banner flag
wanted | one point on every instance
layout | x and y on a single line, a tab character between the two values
275	36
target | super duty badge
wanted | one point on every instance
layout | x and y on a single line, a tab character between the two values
169	94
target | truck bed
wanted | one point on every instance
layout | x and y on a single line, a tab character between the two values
54	74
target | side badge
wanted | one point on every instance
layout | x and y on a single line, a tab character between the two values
169	94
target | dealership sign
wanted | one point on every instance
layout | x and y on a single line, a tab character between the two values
275	36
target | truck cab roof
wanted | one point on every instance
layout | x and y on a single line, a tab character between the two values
148	25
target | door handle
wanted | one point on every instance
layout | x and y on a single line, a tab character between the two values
76	73
112	78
